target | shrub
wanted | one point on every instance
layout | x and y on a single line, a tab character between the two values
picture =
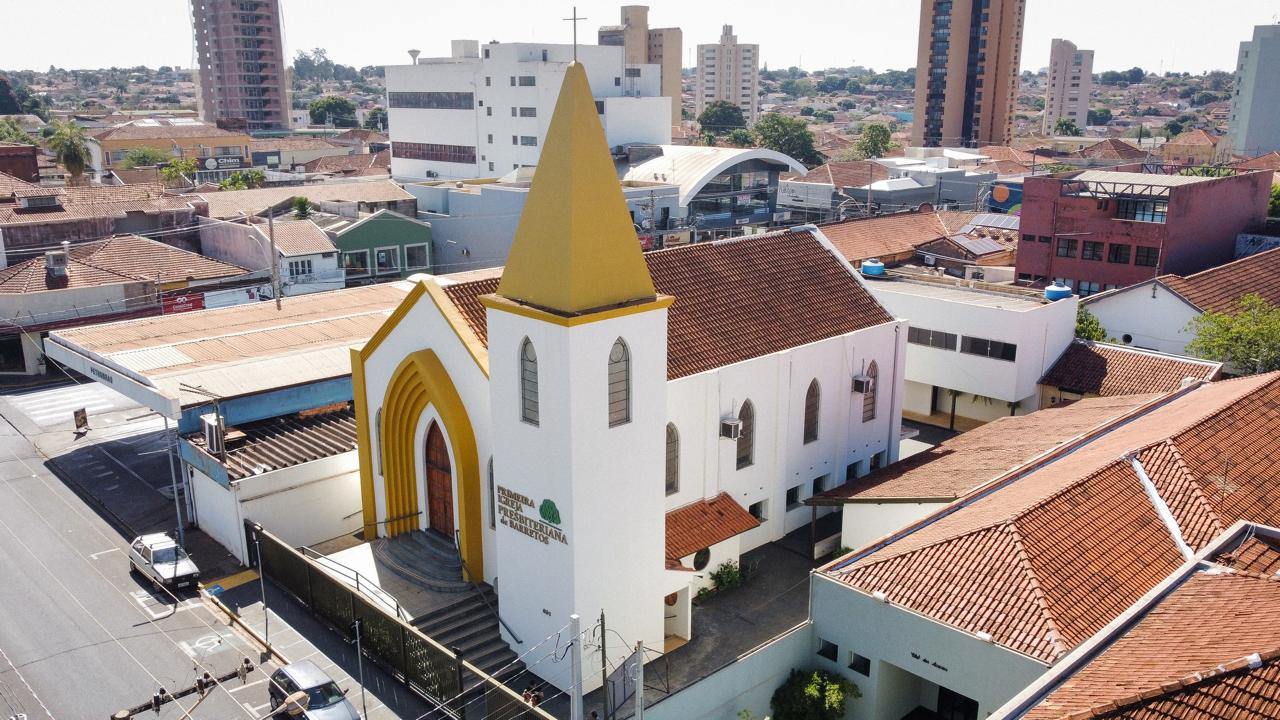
728	575
817	696
301	207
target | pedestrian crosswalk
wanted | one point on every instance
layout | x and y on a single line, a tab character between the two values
55	406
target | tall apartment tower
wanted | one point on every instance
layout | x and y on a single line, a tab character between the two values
728	71
652	46
240	49
1255	104
1070	82
967	72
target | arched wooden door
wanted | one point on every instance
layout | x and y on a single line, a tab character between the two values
439	484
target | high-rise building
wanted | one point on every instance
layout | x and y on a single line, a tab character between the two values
1255	103
728	71
240	50
1070	82
967	72
484	110
645	45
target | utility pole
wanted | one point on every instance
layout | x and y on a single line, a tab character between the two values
355	624
604	668
275	257
575	658
639	680
262	586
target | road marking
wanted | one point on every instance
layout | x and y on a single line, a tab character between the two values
206	645
236	580
247	685
100	553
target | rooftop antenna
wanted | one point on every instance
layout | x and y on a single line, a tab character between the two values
575	20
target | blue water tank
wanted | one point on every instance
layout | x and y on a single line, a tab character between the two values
872	267
1057	291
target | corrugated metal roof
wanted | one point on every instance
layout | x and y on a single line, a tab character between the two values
693	166
283	442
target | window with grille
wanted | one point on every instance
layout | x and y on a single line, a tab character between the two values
673	459
811	402
869	397
528	383
619	384
746	435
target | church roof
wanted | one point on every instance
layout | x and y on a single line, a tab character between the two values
575	249
736	299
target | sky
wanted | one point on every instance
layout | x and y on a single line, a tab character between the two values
1163	35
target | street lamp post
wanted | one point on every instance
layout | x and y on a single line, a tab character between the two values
262	585
364	709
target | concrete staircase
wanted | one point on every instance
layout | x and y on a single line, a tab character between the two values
472	627
426	559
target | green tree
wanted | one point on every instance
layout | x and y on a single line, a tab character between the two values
10	132
812	696
70	147
376	119
720	118
244	180
1098	116
874	141
824	116
797	87
301	208
846	104
178	172
9	104
332	109
1088	326
788	136
1247	339
741	137
807	111
1273	205
143	157
1067	127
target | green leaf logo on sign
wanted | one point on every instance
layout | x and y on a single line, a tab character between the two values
549	512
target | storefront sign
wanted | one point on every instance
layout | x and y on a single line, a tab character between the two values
233	162
182	303
538	521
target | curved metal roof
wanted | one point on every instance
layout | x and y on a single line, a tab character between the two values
691	167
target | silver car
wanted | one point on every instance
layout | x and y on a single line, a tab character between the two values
159	559
325	700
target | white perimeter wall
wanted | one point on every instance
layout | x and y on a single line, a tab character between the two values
864	523
1150	314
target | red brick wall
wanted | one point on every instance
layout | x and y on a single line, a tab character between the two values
20	162
1205	218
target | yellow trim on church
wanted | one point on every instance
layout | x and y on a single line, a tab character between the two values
421	381
575	249
479	352
368	500
496	302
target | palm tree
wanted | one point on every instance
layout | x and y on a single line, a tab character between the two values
70	147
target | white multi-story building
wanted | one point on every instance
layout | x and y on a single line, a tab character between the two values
728	71
1255	104
484	110
1070	82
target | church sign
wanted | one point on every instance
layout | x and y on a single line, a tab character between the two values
537	520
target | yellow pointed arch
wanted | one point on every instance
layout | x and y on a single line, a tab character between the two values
419	381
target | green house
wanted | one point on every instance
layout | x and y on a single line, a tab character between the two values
383	246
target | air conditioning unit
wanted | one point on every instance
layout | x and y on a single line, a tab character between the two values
731	428
432	173
212	434
861	384
55	263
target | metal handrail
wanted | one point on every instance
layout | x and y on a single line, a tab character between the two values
457	544
370	588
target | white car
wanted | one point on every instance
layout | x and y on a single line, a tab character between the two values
159	559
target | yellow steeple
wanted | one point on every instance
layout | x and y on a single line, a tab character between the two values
575	249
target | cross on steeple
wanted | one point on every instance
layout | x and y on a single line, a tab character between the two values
575	20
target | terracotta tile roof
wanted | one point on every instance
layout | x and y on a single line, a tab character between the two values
1187	658
855	173
1270	161
290	143
301	237
1111	149
1194	137
767	293
1256	555
704	523
890	235
10	184
365	163
133	176
1006	167
93	201
1103	369
979	456
1005	153
1045	558
123	258
163	130
235	202
1220	288
363	135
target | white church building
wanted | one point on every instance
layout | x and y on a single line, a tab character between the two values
598	429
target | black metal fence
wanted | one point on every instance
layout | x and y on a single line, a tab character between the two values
422	664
